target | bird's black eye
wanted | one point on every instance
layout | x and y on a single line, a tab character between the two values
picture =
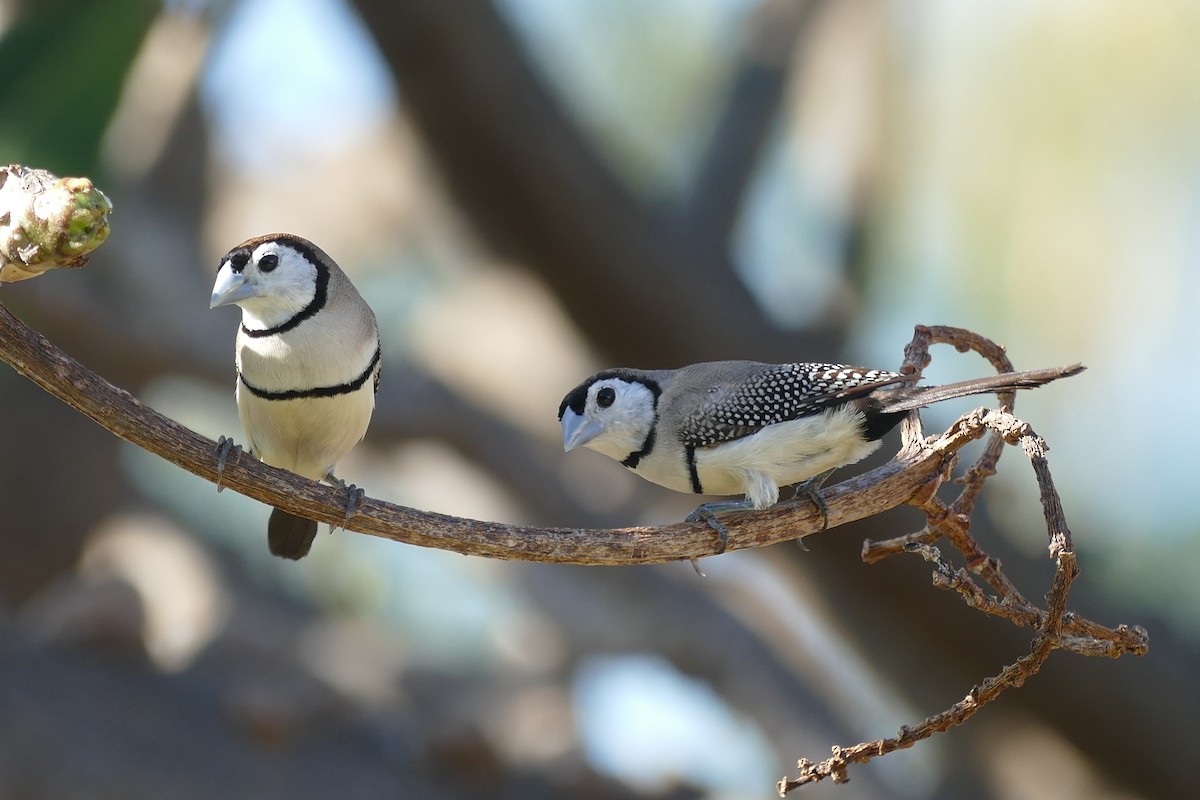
268	262
605	397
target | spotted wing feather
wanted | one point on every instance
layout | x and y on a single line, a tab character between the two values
777	393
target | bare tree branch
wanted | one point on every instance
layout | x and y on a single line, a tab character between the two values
714	201
913	477
119	412
1054	627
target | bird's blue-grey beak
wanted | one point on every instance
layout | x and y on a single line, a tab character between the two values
577	430
231	287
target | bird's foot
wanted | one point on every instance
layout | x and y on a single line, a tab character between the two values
703	514
354	498
811	489
225	446
708	513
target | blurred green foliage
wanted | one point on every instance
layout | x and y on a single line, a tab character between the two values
64	63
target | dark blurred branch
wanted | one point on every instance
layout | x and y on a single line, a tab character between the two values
714	201
412	404
537	192
98	339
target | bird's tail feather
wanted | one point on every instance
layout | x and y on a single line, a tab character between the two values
1004	382
290	536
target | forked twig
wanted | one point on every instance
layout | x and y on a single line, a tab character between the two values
1054	627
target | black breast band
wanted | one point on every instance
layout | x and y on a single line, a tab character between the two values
320	391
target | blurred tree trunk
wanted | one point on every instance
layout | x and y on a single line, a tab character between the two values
636	281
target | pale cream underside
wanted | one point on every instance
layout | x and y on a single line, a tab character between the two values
307	436
778	455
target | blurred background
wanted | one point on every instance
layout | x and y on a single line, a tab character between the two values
530	190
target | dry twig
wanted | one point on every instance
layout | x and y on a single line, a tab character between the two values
1054	627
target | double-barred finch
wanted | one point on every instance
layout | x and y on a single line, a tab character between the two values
308	360
741	427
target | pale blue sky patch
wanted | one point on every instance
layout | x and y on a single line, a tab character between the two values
644	722
289	78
